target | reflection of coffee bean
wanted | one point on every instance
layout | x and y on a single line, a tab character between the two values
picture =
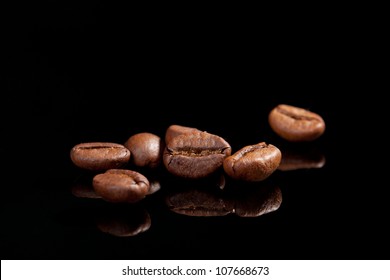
221	181
244	201
196	202
175	130
121	185
154	186
145	148
294	159
253	162
84	191
99	156
195	155
258	200
296	124
124	222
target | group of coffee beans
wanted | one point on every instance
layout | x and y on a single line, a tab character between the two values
190	153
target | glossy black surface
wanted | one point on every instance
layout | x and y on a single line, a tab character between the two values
77	77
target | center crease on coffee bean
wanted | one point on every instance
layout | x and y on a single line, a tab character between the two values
251	150
195	153
296	117
98	147
199	208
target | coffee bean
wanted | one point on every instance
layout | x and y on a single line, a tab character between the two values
99	156
253	162
195	155
121	185
146	149
175	130
296	124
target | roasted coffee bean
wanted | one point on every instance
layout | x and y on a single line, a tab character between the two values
121	185
175	130
296	124
195	155
253	162
99	156
146	149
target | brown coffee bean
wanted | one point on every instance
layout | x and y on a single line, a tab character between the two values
175	130
195	155
296	124
146	149
99	156
121	185
253	162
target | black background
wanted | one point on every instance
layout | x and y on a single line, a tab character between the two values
93	72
